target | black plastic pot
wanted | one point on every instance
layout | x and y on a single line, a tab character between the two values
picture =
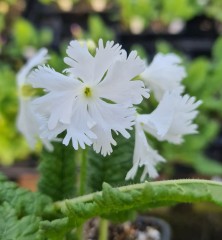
142	222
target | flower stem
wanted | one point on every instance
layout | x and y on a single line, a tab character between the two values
82	184
83	172
103	229
79	232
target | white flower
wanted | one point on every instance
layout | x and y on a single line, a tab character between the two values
94	99
173	117
164	74
27	122
143	155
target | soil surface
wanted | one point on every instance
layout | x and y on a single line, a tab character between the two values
181	222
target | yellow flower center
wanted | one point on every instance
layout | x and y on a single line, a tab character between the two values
88	92
28	91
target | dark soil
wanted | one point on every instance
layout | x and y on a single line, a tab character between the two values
181	222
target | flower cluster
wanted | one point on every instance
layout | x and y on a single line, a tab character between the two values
172	118
96	96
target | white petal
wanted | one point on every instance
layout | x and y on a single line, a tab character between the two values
118	85
109	117
46	142
81	62
26	122
160	120
149	170
77	131
59	101
105	56
132	172
103	143
164	74
50	80
57	105
144	156
39	58
46	133
173	117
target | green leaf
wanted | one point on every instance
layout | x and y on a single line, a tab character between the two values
14	228
22	200
57	172
21	212
112	168
116	200
57	230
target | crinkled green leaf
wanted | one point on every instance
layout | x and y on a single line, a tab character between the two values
58	172
14	228
112	168
139	196
22	200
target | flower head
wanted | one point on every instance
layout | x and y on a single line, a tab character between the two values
173	117
95	98
144	156
27	121
164	74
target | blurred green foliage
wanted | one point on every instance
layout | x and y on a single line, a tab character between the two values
143	11
184	9
24	33
12	143
213	9
97	27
